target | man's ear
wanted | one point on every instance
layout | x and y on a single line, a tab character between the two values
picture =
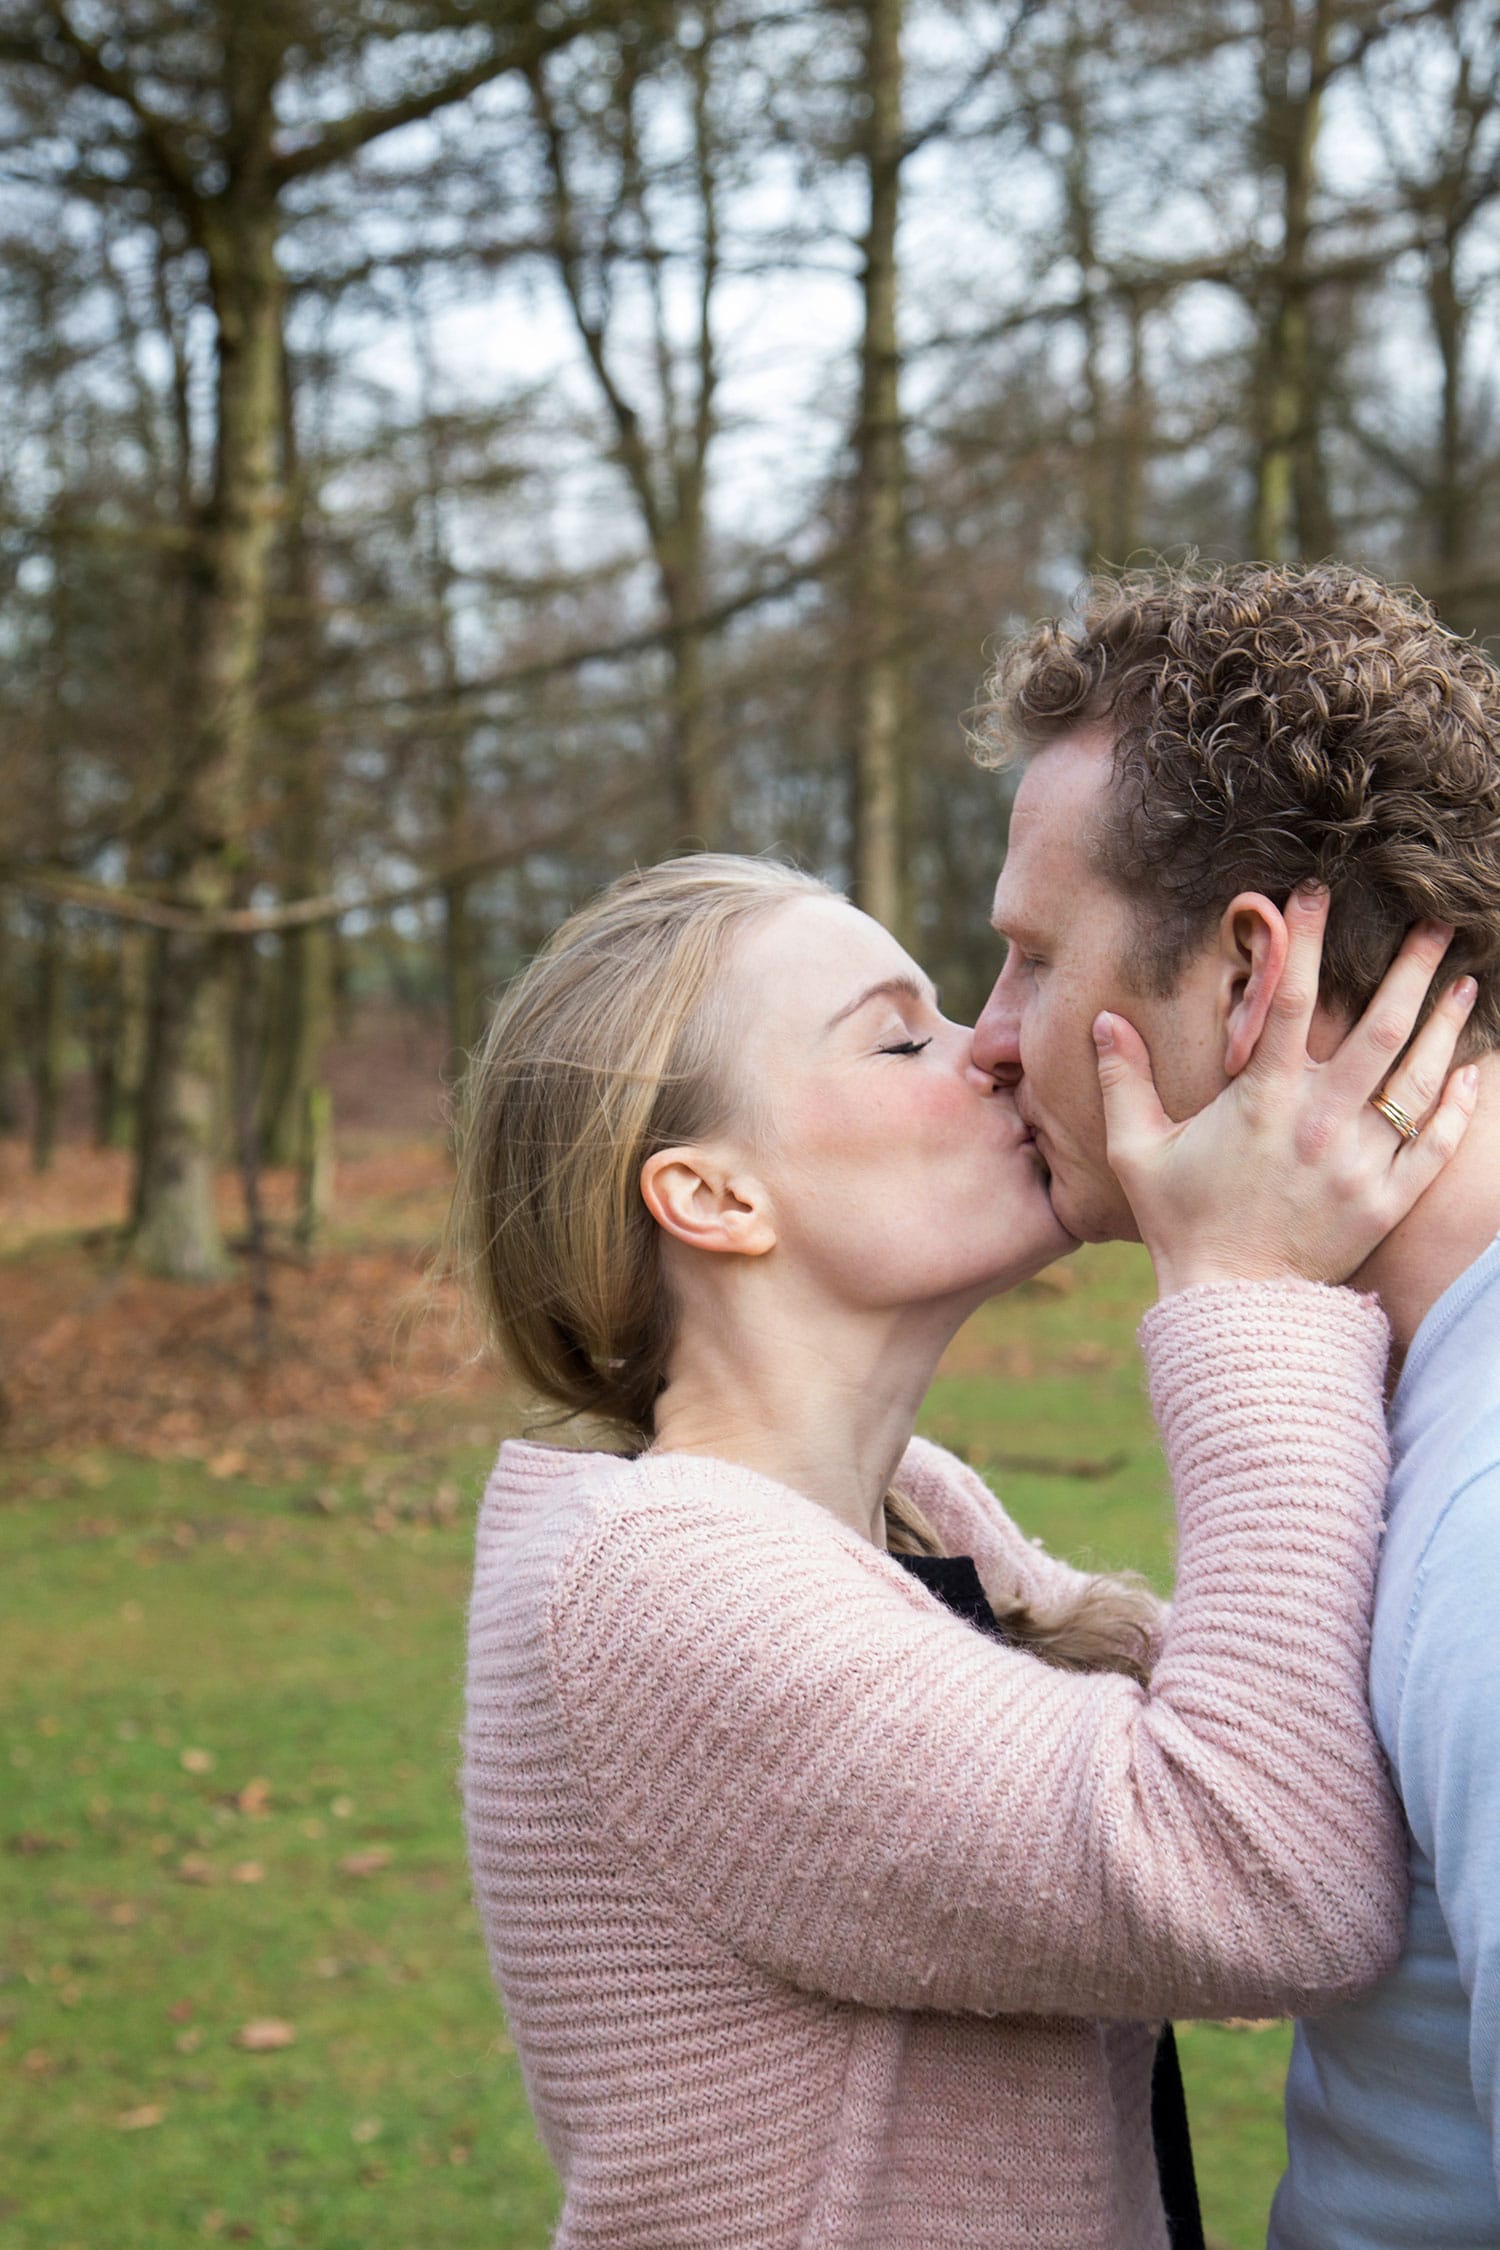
698	1198
1252	950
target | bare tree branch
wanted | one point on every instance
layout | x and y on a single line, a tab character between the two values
346	136
122	905
81	59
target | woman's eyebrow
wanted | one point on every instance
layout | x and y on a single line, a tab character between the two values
901	987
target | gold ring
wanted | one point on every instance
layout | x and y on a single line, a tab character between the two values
1395	1115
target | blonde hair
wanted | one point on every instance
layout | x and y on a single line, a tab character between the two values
608	1047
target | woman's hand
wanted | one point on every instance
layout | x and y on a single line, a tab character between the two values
1290	1172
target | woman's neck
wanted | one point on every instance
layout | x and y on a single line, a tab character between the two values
820	1400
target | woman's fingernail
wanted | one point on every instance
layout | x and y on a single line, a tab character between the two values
1465	992
1310	890
1439	932
1468	1079
1104	1032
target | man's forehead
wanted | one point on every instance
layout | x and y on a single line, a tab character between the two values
1059	803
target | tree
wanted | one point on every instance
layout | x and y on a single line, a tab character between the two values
653	210
1433	96
183	114
879	684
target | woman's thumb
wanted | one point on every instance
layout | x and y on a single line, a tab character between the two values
1131	1110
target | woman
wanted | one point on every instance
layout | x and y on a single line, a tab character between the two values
820	1916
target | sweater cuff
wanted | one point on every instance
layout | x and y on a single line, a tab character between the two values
1286	1373
1296	1316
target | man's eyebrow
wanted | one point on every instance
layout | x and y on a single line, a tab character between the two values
900	987
1008	924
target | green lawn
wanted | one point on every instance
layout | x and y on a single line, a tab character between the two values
229	1745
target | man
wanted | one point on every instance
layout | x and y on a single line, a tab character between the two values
1193	749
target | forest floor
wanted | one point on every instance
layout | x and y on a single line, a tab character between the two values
362	1348
242	1992
360	1343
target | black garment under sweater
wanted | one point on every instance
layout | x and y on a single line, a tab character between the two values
956	1582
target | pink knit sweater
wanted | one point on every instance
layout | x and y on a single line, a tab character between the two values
822	1919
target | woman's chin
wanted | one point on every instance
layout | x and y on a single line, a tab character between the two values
1053	1244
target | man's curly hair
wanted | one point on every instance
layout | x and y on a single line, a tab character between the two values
1271	723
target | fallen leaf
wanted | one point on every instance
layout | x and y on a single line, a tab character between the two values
264	2035
136	2120
39	2063
247	1871
180	2011
368	2129
194	1868
197	1761
124	1914
253	1798
188	2042
365	1863
230	1463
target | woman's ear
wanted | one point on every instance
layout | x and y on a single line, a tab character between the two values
695	1196
1253	950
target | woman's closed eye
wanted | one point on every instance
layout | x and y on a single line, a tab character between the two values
906	1047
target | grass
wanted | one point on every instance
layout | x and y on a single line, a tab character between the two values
228	1759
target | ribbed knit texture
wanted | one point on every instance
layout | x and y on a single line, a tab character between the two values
810	1906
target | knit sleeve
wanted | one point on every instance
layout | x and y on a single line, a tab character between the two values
858	1793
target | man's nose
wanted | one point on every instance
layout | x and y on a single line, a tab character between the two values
997	1037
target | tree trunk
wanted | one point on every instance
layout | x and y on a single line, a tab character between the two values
461	926
175	1229
300	1004
10	1112
1131	449
47	1038
134	1003
1290	512
668	474
460	967
695	781
315	1165
98	980
299	1022
880	641
176	1232
1451	498
1096	453
682	556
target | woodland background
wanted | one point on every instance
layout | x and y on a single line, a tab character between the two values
452	450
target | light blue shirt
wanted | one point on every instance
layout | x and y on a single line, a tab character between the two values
1393	2102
